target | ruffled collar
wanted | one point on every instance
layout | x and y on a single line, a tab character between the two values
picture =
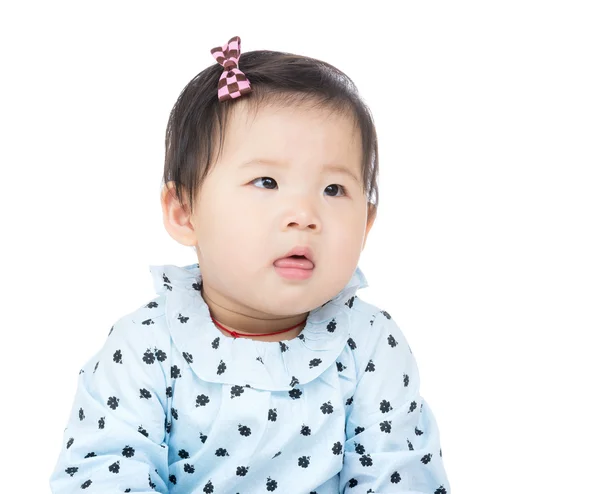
274	366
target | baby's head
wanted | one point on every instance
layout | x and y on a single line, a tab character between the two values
292	163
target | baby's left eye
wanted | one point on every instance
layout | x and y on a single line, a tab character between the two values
339	187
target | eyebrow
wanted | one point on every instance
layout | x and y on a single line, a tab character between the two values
333	168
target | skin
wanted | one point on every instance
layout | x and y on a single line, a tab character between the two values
241	223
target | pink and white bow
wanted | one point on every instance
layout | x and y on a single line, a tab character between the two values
233	82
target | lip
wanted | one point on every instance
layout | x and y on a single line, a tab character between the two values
300	250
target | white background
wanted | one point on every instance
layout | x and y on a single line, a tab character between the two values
485	249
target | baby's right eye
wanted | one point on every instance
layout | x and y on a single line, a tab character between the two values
264	178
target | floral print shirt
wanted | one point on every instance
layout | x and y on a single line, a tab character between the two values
169	404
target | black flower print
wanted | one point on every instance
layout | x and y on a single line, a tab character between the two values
96	366
331	326
295	393
350	302
366	461
142	431
405	380
418	432
113	402
183	454
183	319
271	484
283	347
385	406
440	490
327	408
273	414
426	459
114	468
187	468
359	449
203	437
340	366
101	423
169	392
305	430
337	448
370	367
244	430
304	461
413	406
294	381
128	452
167	427
174	413
276	455
148	357
175	372
86	484
410	446
202	400
352	483
118	357
392	341
215	343
236	391
71	470
173	479
395	478
188	357
349	401
241	471
221	452
147	322
208	488
81	414
358	430
386	426
222	367
144	393
301	337
386	314
160	355
150	483
351	344
314	363
90	455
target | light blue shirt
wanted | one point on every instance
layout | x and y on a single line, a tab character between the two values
169	404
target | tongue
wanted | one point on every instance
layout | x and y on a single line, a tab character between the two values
294	262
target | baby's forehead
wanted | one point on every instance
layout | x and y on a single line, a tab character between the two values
304	133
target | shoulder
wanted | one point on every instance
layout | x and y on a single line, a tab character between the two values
374	330
371	324
143	326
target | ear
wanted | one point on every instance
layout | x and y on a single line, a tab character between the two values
176	216
371	215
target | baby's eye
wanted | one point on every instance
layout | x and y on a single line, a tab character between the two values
269	180
266	179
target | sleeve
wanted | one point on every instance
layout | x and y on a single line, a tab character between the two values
392	438
115	436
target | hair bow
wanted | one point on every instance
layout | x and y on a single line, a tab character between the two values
233	83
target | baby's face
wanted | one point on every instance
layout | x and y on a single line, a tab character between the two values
243	223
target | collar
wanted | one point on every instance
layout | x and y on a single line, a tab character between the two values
274	366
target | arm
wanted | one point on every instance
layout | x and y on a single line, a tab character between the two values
115	436
392	439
